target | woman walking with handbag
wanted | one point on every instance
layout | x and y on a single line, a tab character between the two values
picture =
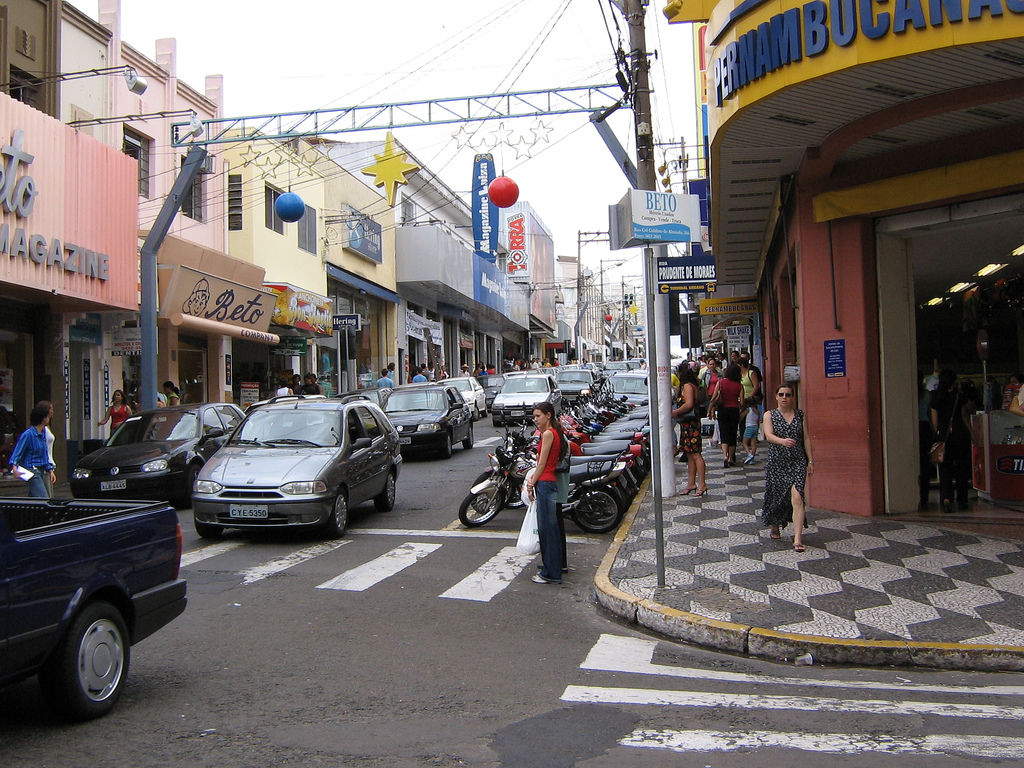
542	484
789	463
948	427
685	413
726	401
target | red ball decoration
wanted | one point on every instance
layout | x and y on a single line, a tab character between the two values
608	318
503	192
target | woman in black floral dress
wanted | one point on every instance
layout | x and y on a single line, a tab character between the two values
789	462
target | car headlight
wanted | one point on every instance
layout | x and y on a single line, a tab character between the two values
81	474
304	487
156	465
208	486
433	427
584	391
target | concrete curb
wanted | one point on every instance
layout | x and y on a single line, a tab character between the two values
768	643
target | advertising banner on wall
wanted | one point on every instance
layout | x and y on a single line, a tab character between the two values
485	213
490	285
305	310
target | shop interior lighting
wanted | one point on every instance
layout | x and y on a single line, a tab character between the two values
1018	251
961	287
989	269
935	302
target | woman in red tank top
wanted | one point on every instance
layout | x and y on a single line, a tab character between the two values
117	412
543	485
726	402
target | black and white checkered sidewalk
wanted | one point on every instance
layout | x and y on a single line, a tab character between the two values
859	578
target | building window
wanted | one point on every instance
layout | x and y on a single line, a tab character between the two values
274	221
234	202
307	230
192	201
138	146
408	210
23	87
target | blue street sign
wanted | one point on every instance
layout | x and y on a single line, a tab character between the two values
347	321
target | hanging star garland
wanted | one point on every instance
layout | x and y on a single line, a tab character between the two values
391	169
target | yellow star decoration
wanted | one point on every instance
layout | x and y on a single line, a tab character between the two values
391	169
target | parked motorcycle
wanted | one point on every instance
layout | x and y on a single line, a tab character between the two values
500	485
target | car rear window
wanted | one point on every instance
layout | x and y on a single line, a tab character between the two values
525	385
420	400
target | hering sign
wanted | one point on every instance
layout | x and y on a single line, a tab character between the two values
18	196
809	30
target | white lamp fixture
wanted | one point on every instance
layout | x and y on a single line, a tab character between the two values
989	269
137	84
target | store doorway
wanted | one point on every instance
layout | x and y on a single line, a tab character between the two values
192	369
944	275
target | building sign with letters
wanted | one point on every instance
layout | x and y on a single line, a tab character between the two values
305	310
206	297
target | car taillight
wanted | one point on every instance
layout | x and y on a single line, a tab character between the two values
177	555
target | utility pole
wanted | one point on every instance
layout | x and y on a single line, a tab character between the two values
657	325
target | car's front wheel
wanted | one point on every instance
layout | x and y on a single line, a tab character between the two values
468	442
336	524
446	446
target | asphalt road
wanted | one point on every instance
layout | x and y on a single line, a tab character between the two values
412	642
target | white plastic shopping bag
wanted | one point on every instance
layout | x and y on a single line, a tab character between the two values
22	473
529	538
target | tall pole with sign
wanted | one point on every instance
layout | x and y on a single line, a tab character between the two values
657	346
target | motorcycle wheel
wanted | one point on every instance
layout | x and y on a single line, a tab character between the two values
597	511
480	508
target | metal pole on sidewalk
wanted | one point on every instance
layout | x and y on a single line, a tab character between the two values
658	377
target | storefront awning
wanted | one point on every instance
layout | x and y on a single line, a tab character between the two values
203	325
363	285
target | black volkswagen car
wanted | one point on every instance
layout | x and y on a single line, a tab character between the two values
156	454
430	416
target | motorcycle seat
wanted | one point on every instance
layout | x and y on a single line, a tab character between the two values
591	469
607	447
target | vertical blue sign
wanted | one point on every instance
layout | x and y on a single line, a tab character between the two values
485	213
835	358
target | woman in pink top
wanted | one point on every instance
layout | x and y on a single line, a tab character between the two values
117	412
726	403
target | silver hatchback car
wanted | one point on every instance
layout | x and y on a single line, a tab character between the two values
300	463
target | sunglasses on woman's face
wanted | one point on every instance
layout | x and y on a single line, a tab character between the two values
784	394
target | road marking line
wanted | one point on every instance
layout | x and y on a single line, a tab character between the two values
614	653
594	695
380	568
1003	747
491	577
489	441
252	575
453	534
211	550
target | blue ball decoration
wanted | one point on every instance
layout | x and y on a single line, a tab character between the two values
289	207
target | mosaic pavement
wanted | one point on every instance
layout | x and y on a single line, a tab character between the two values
859	578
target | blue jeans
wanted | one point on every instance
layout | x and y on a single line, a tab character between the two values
36	484
547	528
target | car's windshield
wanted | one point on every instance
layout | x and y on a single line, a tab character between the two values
463	385
524	385
420	400
492	381
315	428
573	376
157	427
629	385
619	366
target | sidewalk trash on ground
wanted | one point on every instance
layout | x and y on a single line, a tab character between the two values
804	661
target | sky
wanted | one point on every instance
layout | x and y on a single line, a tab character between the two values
342	53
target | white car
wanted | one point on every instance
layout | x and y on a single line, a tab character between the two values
472	392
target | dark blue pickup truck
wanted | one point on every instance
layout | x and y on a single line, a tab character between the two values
80	583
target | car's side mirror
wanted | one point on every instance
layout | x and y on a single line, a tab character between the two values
210	434
360	443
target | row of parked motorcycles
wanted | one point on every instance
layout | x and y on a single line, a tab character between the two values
609	457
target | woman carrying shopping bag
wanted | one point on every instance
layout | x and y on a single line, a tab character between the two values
542	485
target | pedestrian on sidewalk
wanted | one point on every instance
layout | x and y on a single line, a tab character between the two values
685	413
32	454
789	463
117	412
542	484
726	403
947	414
752	424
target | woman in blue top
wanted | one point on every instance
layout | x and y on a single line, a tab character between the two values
32	453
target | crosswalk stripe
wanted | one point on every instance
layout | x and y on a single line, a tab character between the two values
204	553
615	653
999	747
595	695
447	533
491	577
380	568
259	572
489	441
